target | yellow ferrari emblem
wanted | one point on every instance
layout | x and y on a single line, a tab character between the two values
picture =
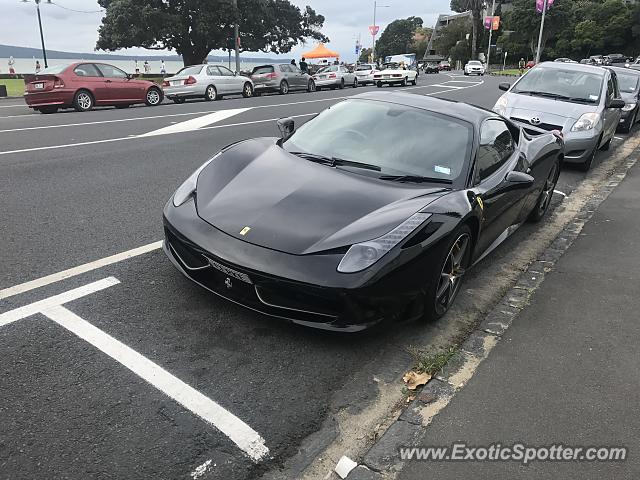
245	230
480	202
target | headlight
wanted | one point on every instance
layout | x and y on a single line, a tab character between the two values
586	122
628	107
187	188
363	255
501	106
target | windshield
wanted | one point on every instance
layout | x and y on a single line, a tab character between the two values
474	62
365	67
564	84
627	83
398	139
193	70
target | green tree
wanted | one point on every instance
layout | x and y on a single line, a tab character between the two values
450	36
364	55
475	6
195	27
420	41
397	38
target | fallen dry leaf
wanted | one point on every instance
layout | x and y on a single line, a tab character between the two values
415	379
411	398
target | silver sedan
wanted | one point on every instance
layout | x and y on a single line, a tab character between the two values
210	82
335	76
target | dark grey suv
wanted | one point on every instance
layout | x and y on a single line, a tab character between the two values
281	78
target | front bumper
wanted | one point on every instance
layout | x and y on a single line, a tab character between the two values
196	90
475	72
387	81
579	146
303	289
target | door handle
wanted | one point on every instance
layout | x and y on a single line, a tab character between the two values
107	81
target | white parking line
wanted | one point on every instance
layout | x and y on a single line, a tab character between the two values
247	439
196	123
560	193
618	138
11	106
80	269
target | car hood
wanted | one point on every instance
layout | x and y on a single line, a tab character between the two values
259	193
548	110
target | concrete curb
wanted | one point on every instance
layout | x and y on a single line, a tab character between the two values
382	460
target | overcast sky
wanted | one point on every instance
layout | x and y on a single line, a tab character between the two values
77	32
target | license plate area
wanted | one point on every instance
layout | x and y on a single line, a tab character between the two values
230	272
38	86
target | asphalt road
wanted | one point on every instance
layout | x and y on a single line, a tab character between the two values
80	187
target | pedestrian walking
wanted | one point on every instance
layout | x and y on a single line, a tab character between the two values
521	65
304	66
12	70
147	67
163	69
38	66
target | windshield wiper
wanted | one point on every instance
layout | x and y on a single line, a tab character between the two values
543	94
580	99
335	161
414	179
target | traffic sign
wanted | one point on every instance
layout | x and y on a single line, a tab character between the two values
374	29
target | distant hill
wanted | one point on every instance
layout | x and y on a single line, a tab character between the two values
25	52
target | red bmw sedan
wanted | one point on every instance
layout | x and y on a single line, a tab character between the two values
83	85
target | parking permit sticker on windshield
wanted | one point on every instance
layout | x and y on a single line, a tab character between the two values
445	170
593	97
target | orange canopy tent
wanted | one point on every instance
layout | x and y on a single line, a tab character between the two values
321	52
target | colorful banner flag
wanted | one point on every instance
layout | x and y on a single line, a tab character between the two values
492	23
540	5
488	22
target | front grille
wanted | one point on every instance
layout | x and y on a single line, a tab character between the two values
544	126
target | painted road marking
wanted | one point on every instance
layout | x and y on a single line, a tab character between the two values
618	138
247	439
72	272
99	122
196	123
560	193
135	137
455	87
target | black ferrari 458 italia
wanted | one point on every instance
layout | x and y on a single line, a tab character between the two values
372	210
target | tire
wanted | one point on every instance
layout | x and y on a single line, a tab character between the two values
466	74
433	307
123	106
47	110
341	83
415	81
247	90
355	83
379	84
284	88
311	86
178	100
153	97
607	145
586	165
83	101
631	123
403	83
544	200
211	94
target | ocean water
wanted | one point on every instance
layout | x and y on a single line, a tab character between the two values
28	65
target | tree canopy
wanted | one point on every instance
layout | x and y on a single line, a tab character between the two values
476	7
398	37
195	27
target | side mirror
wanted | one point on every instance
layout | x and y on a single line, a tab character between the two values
617	103
504	86
519	178
235	74
286	127
129	76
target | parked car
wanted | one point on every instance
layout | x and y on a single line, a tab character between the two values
629	85
335	76
83	85
393	74
615	58
431	67
587	61
474	67
364	73
210	82
364	214
564	60
597	59
281	78
581	101
444	66
530	64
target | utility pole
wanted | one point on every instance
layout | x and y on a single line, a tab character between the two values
44	50
373	47
544	11
493	12
236	34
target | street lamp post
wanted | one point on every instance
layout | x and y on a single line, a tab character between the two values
44	51
538	52
236	34
493	12
373	47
